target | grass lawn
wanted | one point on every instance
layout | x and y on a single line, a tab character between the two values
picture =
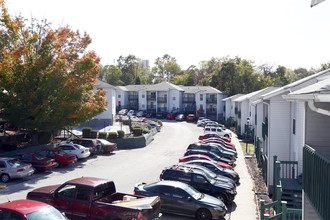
250	147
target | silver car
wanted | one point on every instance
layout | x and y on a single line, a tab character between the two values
12	168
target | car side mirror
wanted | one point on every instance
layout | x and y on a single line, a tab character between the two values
189	198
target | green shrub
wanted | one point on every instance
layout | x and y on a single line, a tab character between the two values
137	131
94	134
121	133
103	135
160	123
86	132
112	135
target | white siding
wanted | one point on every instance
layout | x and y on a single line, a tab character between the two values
142	100
174	103
299	137
278	134
258	128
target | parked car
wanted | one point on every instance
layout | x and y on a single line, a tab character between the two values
170	116
131	113
203	157
160	115
25	209
218	150
220	141
200	122
76	149
96	198
191	118
213	135
151	114
213	166
154	124
141	114
13	168
210	173
218	130
39	162
60	157
180	117
182	199
107	146
123	112
200	181
93	145
211	155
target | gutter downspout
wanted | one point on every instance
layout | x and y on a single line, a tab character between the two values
312	106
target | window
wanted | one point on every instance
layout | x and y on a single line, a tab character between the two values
119	96
83	193
173	98
179	193
2	164
201	97
294	126
9	215
66	191
143	96
143	105
199	179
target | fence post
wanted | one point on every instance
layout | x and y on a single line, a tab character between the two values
284	210
262	209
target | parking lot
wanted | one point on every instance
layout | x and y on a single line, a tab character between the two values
128	167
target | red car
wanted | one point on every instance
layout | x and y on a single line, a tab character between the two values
203	157
39	162
59	156
213	135
107	147
29	210
170	116
191	117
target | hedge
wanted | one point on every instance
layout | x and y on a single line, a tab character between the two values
121	133
103	135
112	135
86	132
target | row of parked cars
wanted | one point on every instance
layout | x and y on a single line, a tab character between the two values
202	184
21	165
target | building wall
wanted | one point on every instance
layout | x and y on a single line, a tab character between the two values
142	100
245	113
278	134
258	126
176	103
200	102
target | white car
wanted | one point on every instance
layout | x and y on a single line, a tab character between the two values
218	130
76	149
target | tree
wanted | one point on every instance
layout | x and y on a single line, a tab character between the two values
129	68
47	76
111	74
166	68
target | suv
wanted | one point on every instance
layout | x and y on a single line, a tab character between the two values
200	181
93	145
218	130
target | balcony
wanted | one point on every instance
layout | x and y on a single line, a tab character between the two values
162	109
151	108
188	100
316	180
211	100
133	97
162	99
151	97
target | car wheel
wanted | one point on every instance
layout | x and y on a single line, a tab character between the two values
5	178
57	163
203	214
222	198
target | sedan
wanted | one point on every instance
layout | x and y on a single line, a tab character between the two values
39	162
216	169
211	155
221	141
106	146
191	118
29	210
76	149
13	168
213	135
170	116
203	157
59	156
181	199
180	117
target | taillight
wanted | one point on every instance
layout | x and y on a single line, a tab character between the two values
20	170
163	171
82	152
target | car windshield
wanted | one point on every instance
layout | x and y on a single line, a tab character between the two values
193	192
15	163
47	213
38	156
60	152
209	178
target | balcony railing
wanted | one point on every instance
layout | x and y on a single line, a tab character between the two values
162	109
316	180
211	111
162	99
133	97
151	97
211	100
151	107
188	100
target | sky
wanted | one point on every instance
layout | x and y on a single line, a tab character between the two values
277	32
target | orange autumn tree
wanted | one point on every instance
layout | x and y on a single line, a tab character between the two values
47	77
